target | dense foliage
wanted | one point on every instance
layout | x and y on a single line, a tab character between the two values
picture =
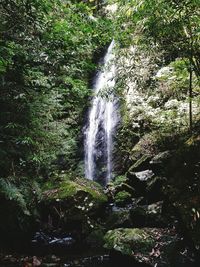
166	32
47	52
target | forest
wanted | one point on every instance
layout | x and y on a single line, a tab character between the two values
99	133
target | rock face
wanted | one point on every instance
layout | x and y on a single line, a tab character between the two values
153	246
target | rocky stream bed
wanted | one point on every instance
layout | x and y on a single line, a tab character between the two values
147	217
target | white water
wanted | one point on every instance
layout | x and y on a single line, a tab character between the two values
102	120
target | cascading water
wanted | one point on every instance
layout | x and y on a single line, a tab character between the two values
102	121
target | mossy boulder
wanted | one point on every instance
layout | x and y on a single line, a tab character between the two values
140	163
72	205
153	246
128	240
118	185
118	180
122	198
68	189
125	187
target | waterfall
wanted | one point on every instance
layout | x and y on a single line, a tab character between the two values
102	120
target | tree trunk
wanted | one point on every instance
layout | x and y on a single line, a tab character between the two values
190	98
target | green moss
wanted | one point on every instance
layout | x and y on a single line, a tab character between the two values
67	189
128	240
119	180
122	197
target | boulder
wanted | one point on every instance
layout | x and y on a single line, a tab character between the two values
138	180
71	205
140	164
153	246
122	198
119	217
159	162
120	184
148	216
154	189
144	175
148	185
135	215
125	187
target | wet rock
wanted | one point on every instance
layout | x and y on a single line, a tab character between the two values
40	239
36	261
112	189
135	215
144	175
153	246
65	241
161	157
43	240
141	163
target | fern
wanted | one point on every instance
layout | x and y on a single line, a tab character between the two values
11	192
